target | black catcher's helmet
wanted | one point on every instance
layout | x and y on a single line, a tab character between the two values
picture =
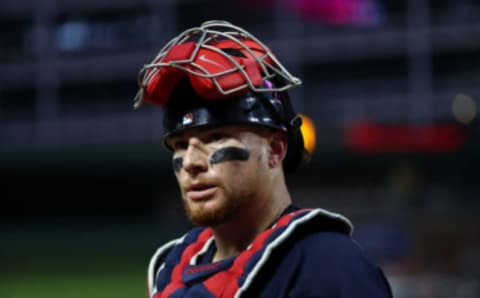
219	74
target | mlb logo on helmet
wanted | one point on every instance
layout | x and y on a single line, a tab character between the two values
187	119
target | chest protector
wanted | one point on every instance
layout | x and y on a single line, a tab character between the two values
173	271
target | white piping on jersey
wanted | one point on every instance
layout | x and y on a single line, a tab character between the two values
288	231
152	288
193	260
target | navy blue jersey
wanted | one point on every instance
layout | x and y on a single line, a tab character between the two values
306	253
326	264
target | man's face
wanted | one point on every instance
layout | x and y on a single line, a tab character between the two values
220	171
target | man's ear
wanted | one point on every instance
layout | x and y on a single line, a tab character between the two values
278	149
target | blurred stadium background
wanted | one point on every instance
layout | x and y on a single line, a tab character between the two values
87	193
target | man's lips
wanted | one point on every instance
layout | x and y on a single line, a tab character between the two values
199	193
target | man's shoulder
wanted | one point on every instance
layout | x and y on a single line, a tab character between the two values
327	238
326	244
319	221
338	261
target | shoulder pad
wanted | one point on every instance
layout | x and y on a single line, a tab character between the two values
157	262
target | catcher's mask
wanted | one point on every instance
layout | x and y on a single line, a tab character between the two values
219	74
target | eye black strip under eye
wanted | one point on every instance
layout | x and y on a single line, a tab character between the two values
177	163
229	153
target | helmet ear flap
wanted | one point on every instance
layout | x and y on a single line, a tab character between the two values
297	155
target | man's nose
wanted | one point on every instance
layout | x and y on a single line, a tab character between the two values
195	159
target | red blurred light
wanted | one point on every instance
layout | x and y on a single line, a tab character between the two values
381	138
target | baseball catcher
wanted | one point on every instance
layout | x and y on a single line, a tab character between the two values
233	134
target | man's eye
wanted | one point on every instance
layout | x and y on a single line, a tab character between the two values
217	136
180	145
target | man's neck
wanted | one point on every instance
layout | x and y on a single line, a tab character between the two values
235	236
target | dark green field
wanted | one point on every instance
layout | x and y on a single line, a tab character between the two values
75	278
130	283
90	263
